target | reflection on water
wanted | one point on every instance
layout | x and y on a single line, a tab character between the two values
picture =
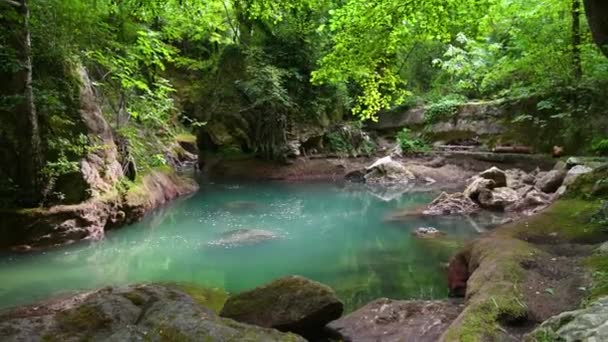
327	232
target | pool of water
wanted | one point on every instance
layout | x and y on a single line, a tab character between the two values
332	233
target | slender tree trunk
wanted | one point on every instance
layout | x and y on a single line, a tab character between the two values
597	16
576	39
27	144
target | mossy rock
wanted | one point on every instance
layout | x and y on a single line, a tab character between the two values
211	298
291	303
592	185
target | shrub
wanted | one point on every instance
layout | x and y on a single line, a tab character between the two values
600	147
440	111
410	144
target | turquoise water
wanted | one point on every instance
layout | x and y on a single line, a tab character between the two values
332	233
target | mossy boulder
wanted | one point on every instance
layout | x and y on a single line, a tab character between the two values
132	313
291	303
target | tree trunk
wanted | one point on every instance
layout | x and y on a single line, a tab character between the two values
26	140
597	16
576	39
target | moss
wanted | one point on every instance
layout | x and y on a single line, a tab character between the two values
598	266
186	138
82	320
591	185
135	298
493	290
566	220
211	298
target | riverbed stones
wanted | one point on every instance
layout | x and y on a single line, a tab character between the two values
478	185
497	175
498	198
290	303
451	204
132	313
588	324
390	320
551	181
244	237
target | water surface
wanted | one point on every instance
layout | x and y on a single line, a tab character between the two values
332	233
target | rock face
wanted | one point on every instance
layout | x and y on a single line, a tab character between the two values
134	313
292	303
390	320
588	324
64	224
244	237
551	181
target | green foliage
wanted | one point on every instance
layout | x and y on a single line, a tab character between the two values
444	110
600	146
410	144
350	140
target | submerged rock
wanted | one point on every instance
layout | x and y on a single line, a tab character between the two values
241	237
292	303
390	320
133	313
428	232
551	181
588	324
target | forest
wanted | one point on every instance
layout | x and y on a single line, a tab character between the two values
111	110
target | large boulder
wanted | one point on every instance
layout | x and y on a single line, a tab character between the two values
575	172
133	313
531	202
477	186
388	171
451	204
588	324
551	181
497	175
390	320
291	303
498	198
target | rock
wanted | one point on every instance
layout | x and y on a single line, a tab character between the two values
498	198
602	249
390	320
573	161
558	151
478	185
588	324
356	176
243	237
575	172
388	171
497	175
517	178
133	313
560	165
291	303
292	149
451	204
551	181
427	232
458	275
532	202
